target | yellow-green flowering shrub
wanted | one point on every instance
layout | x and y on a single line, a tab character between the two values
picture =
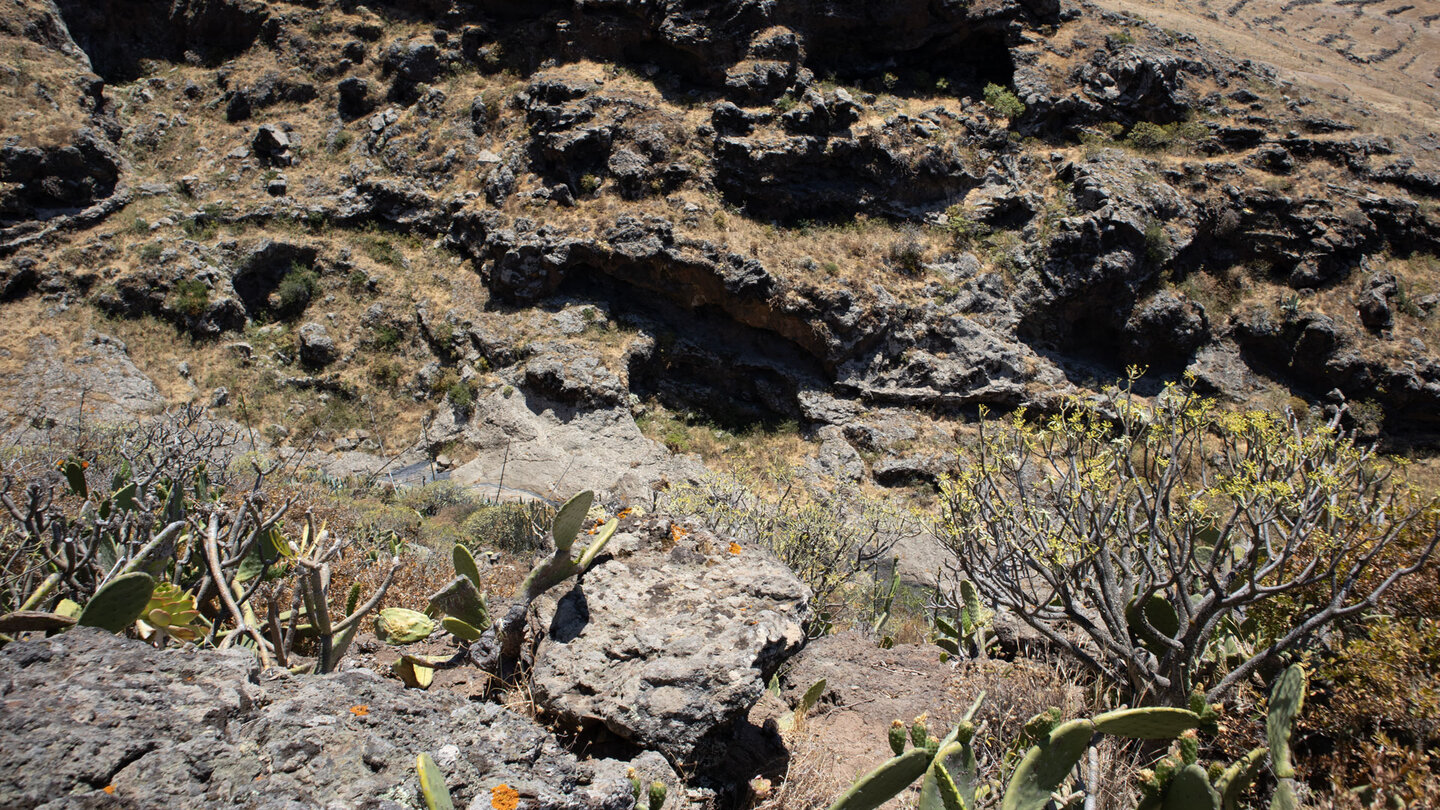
1152	528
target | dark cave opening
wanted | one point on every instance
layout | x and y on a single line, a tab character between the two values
703	360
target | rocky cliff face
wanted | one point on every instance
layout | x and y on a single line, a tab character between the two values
770	212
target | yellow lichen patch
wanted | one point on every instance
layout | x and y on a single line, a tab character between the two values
504	797
360	711
734	547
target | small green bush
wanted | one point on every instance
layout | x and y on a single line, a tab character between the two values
387	338
190	297
295	290
907	254
461	395
1003	101
150	252
386	373
1149	137
1157	242
512	527
589	184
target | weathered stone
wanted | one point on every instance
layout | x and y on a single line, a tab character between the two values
204	730
272	145
668	643
317	349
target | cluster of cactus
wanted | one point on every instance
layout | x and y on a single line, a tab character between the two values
968	631
1178	782
138	554
654	794
461	605
947	768
499	642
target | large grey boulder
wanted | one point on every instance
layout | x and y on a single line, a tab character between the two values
668	642
87	710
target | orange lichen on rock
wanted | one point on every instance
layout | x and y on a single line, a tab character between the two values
504	797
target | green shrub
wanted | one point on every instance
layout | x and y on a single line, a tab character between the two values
1156	528
295	290
1157	242
387	338
190	297
826	541
461	395
1149	137
429	499
383	251
907	254
386	372
1003	101
513	527
150	252
589	184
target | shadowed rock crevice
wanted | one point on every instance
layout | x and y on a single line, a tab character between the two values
701	358
118	35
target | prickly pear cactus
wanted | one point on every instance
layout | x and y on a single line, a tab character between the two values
1235	779
402	626
119	602
465	564
1046	765
880	785
1191	790
461	629
432	784
1287	698
1159	723
897	737
570	519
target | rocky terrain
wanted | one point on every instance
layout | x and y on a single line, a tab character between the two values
543	246
459	230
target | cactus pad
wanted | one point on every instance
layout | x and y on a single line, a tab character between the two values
1287	698
461	629
877	787
1046	765
570	519
1147	724
1190	790
465	564
119	602
402	626
432	784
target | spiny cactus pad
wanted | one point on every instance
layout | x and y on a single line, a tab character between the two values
877	787
1287	698
1046	765
465	564
402	626
1191	790
570	519
950	780
432	784
119	602
1236	778
1147	724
